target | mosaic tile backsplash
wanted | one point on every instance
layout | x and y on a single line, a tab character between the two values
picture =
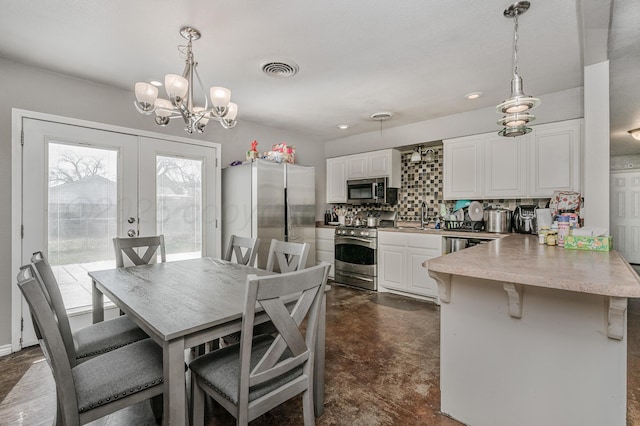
424	182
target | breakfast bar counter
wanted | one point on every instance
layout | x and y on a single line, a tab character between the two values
533	334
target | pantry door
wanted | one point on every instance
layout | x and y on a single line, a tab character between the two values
82	186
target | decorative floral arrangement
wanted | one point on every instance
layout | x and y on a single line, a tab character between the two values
279	153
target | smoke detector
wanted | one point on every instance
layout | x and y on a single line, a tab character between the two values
381	116
280	68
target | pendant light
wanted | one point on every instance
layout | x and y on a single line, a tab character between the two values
516	107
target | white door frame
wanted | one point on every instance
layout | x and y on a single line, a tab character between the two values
16	194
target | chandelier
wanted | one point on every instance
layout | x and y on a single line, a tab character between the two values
180	89
516	107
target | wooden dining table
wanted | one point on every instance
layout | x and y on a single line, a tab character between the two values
184	304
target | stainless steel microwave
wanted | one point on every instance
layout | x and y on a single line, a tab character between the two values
371	191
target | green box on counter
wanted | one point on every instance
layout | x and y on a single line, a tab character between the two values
588	243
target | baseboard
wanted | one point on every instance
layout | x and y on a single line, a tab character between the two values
5	350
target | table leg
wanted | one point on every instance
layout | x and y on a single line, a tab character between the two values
174	399
98	304
318	370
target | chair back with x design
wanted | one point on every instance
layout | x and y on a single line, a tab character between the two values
128	247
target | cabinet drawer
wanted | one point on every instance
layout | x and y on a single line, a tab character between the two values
392	238
325	245
325	233
424	241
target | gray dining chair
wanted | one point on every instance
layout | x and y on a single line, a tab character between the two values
101	385
289	256
92	340
263	371
128	246
245	249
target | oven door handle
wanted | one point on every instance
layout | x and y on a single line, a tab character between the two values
364	240
357	277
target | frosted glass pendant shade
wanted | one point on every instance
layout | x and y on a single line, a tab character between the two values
176	85
220	96
164	108
146	93
232	112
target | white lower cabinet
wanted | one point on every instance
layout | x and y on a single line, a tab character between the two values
325	249
400	258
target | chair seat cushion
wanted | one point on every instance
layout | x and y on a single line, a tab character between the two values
119	373
106	336
220	370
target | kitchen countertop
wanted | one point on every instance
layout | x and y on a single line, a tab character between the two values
519	259
414	227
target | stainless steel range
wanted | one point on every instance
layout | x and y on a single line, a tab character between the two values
356	252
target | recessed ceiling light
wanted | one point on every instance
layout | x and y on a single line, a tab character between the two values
343	126
473	95
155	83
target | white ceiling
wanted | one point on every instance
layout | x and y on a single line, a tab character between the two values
415	58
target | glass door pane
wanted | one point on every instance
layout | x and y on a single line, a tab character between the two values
82	216
179	206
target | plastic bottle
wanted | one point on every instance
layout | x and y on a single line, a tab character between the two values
563	229
542	235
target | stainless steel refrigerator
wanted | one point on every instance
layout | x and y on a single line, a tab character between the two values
269	200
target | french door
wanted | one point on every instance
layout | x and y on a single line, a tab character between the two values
625	213
82	186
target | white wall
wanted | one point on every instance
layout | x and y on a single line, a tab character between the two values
596	145
34	89
559	106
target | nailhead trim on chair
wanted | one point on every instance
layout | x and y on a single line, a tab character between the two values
103	351
129	392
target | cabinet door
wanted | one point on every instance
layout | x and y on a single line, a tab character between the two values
380	164
357	166
505	166
336	180
418	278
555	158
325	249
463	165
391	266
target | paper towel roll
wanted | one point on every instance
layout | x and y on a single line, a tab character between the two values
543	218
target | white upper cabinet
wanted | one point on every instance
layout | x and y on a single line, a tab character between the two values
357	166
336	180
530	166
505	166
555	158
384	163
463	165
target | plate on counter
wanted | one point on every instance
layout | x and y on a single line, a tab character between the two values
334	223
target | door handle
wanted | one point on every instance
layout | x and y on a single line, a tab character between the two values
131	233
131	219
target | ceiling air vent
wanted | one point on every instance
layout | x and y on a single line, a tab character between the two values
280	69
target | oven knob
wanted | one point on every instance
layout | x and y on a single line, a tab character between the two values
364	234
353	233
